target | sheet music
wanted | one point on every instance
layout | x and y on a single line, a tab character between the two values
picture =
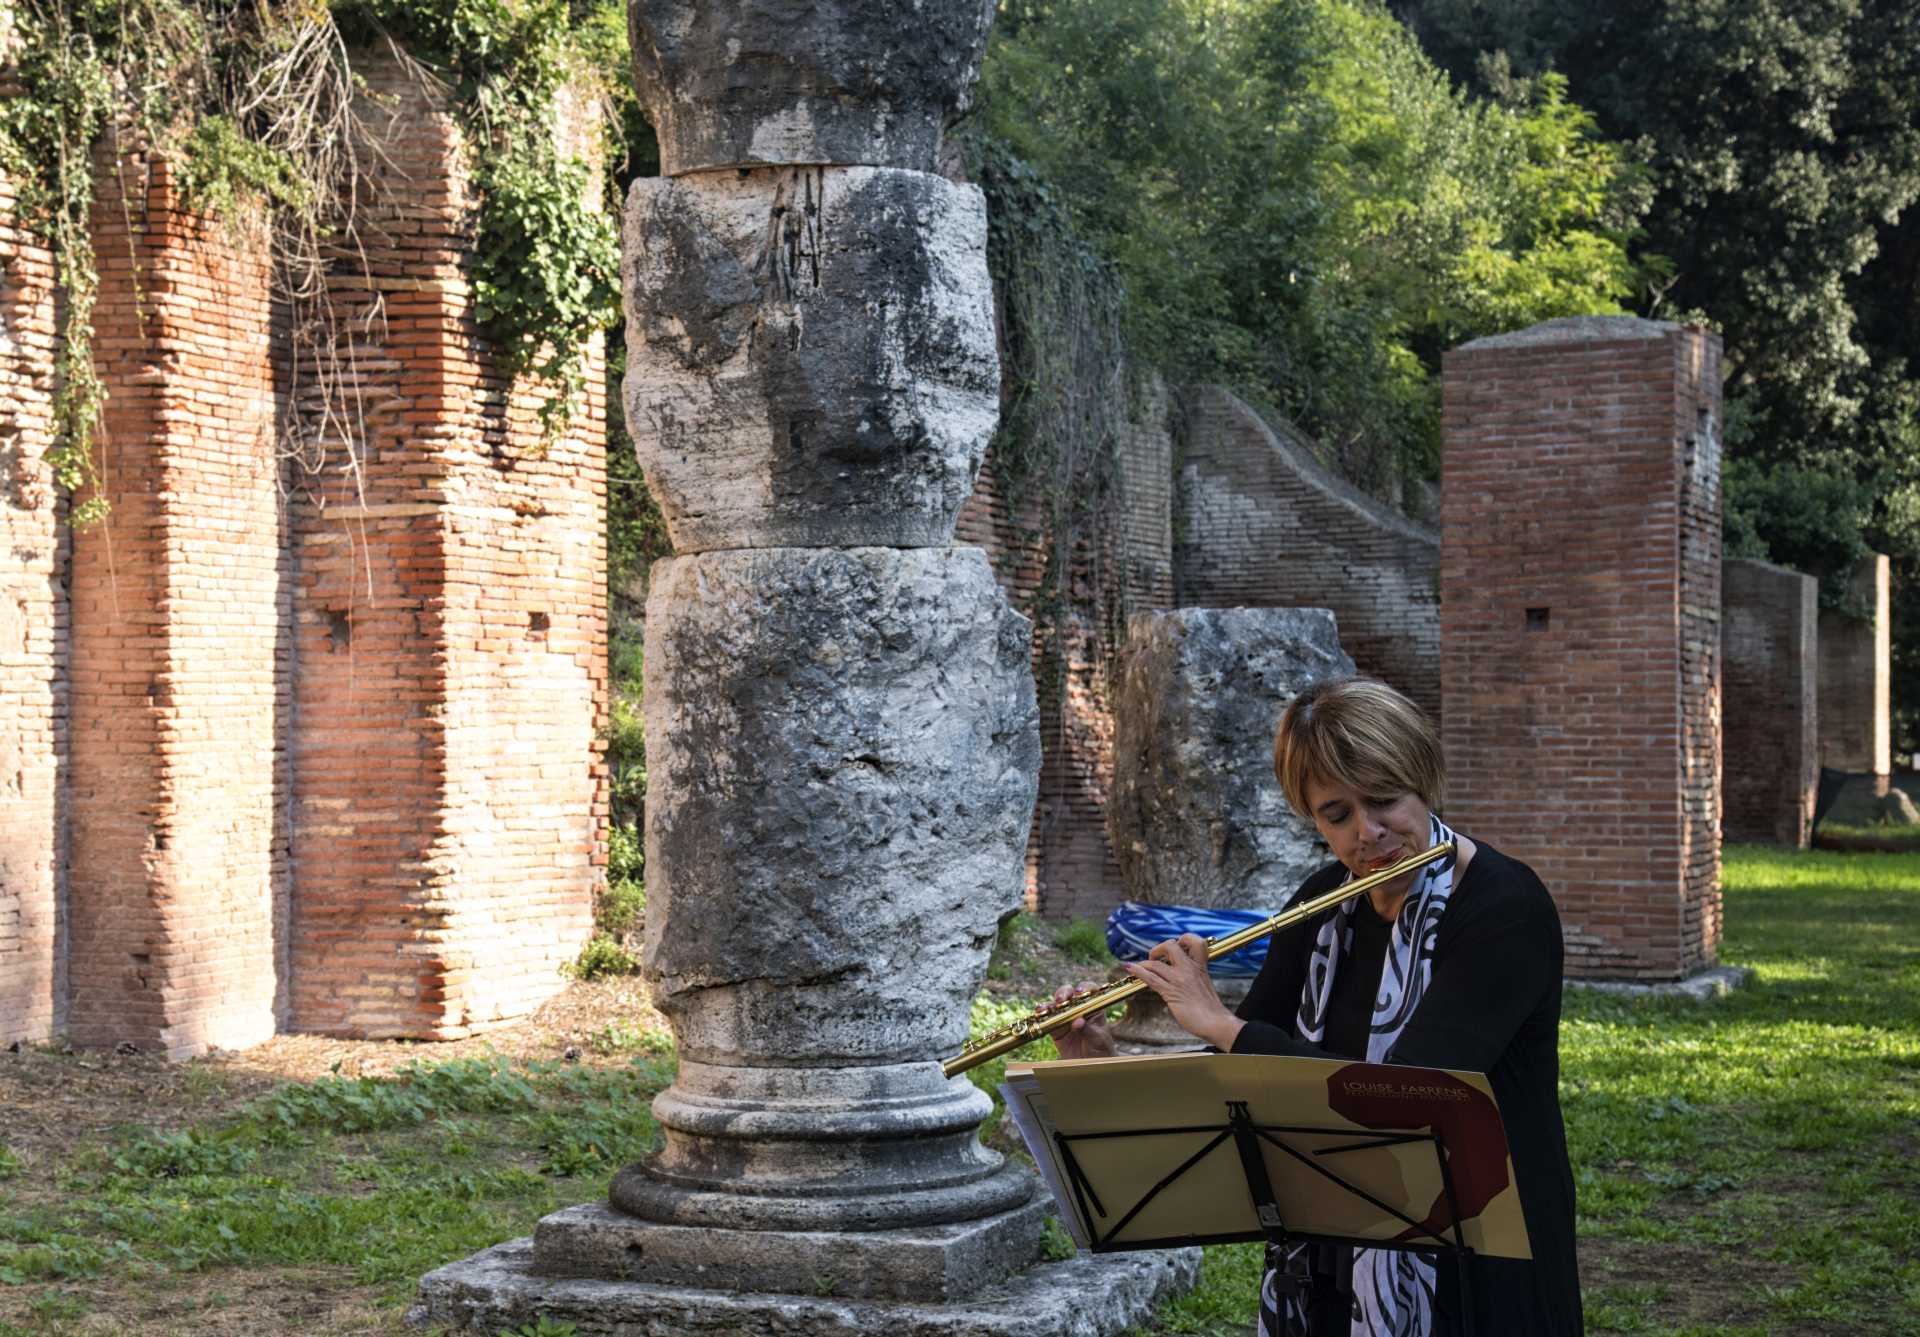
1027	1105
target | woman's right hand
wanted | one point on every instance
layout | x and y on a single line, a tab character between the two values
1084	1037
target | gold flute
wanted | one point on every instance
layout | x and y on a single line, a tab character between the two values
1089	1001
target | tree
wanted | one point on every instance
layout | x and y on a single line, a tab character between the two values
1301	205
1784	138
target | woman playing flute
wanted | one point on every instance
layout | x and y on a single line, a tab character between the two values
1455	965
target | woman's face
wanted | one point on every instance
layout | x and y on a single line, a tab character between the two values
1368	831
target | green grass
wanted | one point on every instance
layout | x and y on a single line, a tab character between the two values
1745	1166
384	1177
1775	1129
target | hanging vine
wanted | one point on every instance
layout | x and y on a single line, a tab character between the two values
1069	397
256	103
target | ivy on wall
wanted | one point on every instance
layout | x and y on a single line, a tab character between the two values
255	102
1068	395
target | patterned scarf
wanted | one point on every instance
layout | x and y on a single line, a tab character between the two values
1393	1290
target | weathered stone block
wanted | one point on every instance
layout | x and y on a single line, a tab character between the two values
843	748
810	355
939	1263
847	747
737	82
1197	817
1090	1295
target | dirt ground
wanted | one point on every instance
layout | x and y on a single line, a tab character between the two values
52	1099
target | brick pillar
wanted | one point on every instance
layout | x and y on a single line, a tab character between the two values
450	796
1580	604
177	870
1770	621
33	642
1071	871
1856	677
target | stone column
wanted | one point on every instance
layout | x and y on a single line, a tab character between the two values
843	742
1197	817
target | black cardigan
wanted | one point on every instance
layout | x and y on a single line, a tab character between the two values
1492	1006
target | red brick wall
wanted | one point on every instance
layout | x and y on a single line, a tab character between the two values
450	799
178	878
1856	677
33	642
1580	598
1071	872
1263	525
1770	764
328	762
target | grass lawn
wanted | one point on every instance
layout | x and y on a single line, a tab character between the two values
1750	1165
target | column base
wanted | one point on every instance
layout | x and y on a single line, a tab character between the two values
936	1264
1086	1296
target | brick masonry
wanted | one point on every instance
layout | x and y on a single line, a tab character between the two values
1856	677
1580	606
33	644
450	634
1071	872
1264	525
301	750
177	867
1769	752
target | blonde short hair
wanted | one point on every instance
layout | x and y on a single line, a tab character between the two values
1358	732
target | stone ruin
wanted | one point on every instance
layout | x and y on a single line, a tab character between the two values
1580	628
841	722
285	750
1197	817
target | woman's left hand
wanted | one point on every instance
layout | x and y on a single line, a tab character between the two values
1177	971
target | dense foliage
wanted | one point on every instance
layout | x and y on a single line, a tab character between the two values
1299	204
1784	140
257	104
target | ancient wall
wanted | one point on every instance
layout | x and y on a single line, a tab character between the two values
178	875
1071	870
1856	677
1770	765
1580	598
304	747
451	636
1263	525
33	642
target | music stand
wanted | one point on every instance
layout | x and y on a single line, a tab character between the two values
1167	1151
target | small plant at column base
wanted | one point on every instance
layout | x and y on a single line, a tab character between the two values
1083	941
543	1327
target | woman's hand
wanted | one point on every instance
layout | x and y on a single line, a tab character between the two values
1177	971
1084	1037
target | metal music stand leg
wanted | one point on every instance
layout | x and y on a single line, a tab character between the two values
1254	1166
1462	1255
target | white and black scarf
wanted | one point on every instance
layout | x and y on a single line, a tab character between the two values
1393	1290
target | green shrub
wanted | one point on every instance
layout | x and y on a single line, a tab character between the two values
603	955
1083	940
192	1154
